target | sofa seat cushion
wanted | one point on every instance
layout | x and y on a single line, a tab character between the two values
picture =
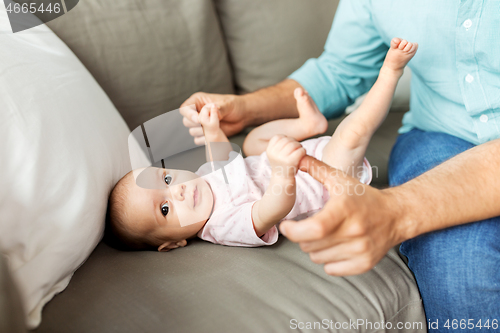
212	288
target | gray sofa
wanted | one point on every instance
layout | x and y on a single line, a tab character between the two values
149	56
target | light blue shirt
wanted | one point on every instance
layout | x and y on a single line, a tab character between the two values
455	85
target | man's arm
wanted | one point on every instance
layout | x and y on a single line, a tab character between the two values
238	112
463	189
353	232
354	53
271	103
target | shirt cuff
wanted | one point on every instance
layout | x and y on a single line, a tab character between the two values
270	237
367	176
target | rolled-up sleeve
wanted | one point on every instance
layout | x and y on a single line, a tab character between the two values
354	53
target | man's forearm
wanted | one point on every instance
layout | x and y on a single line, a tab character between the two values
463	189
275	102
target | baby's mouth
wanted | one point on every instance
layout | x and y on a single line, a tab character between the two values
195	196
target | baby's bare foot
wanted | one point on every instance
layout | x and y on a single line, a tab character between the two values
399	54
313	121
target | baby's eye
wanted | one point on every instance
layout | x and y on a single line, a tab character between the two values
165	209
168	179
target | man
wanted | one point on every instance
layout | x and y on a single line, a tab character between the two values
444	200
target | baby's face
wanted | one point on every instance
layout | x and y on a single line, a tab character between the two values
170	205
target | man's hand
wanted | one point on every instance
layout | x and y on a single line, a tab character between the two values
355	229
232	119
284	155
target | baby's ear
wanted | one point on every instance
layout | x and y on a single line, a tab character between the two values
171	245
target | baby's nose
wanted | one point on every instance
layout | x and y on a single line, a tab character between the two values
179	191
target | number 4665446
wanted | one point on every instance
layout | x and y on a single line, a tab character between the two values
470	324
33	8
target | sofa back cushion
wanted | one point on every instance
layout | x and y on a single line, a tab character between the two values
63	147
268	40
148	56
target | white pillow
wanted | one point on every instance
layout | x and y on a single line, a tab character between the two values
63	146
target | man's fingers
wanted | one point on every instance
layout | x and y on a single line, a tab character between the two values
190	101
189	122
197	101
196	131
319	226
200	141
343	250
321	244
190	116
320	171
188	110
324	173
356	265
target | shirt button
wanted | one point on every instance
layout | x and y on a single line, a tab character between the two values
467	24
483	118
469	78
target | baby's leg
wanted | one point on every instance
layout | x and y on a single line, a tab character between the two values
310	123
347	147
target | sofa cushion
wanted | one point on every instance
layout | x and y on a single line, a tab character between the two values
63	147
148	56
268	40
212	288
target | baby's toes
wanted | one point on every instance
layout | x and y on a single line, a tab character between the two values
408	47
414	47
403	44
300	95
395	42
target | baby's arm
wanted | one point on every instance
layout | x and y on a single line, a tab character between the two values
284	154
209	120
218	146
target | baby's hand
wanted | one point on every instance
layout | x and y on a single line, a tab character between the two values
284	154
209	119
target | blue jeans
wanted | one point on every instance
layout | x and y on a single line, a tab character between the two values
457	269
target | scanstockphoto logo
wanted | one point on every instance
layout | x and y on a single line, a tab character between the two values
26	14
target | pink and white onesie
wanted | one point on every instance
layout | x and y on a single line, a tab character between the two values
231	220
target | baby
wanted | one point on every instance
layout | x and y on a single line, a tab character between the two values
265	187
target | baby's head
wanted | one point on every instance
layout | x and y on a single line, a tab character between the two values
168	208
